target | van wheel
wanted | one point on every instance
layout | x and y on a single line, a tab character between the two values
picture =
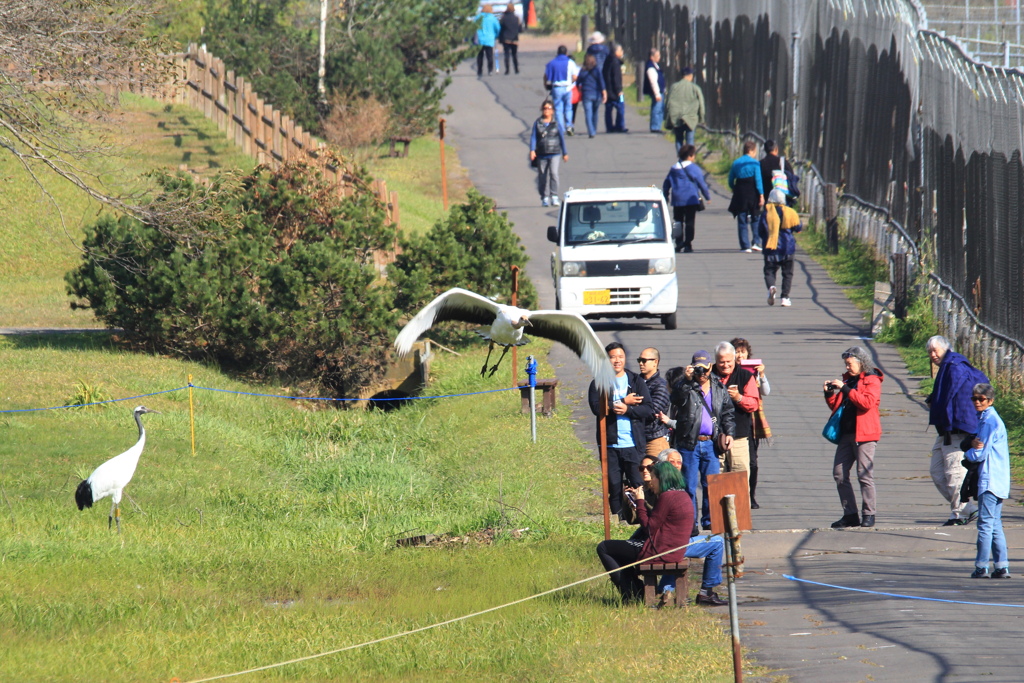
669	321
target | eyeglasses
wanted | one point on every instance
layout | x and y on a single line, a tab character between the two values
646	360
847	354
979	399
647	468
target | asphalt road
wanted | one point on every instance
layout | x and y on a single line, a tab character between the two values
806	631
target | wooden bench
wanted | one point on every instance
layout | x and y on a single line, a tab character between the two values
650	572
405	150
544	395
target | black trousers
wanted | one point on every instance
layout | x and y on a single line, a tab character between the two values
614	554
623	467
772	267
511	51
488	51
687	215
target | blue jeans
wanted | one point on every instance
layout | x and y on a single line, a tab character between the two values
712	549
743	222
562	99
590	109
657	114
618	108
991	540
697	465
683	136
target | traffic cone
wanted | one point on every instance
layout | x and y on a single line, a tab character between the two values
531	15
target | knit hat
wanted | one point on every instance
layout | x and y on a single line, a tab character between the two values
777	196
688	71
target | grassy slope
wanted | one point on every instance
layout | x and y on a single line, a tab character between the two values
277	539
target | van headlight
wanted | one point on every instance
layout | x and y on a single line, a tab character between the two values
574	269
661	266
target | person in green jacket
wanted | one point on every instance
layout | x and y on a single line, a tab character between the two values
685	108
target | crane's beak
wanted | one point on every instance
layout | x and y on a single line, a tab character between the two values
527	322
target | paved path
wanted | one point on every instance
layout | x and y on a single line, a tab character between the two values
849	636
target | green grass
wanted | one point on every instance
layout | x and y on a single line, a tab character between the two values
277	539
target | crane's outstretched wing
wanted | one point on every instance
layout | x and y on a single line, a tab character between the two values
575	332
455	304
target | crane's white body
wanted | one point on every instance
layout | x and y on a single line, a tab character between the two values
507	324
110	478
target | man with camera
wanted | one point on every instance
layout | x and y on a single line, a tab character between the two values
704	426
629	407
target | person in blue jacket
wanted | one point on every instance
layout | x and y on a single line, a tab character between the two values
488	28
991	451
559	75
747	195
684	186
593	92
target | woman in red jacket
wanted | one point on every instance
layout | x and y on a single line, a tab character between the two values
860	427
668	527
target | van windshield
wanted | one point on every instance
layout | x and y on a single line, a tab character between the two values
622	222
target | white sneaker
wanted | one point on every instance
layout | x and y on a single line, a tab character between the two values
756	247
771	295
544	202
786	302
555	202
745	251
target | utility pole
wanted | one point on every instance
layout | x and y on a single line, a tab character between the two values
322	70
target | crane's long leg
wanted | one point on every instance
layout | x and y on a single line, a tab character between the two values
483	370
495	368
117	517
110	517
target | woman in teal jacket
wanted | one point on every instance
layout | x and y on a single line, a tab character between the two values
991	450
488	28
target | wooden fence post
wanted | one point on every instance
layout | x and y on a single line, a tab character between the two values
831	218
900	290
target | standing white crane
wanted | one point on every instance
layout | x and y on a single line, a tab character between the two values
110	478
506	325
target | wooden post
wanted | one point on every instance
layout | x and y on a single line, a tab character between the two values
602	440
900	290
515	349
831	218
444	172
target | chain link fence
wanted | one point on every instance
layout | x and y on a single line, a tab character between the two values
924	142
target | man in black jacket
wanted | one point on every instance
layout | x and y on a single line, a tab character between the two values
616	103
654	429
704	426
628	408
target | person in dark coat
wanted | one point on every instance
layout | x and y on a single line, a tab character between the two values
616	103
627	411
747	195
509	37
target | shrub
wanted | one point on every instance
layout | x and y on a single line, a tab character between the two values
563	16
277	280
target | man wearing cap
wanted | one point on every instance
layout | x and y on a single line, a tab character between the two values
775	228
598	49
704	420
654	429
627	409
684	109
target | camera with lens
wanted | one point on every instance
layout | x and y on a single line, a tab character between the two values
699	371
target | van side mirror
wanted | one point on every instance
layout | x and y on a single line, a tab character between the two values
552	234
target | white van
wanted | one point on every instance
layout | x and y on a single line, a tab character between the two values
615	256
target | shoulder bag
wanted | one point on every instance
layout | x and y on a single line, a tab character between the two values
831	430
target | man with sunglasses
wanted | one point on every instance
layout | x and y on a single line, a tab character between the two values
951	413
655	430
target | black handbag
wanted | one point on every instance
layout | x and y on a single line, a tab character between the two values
700	204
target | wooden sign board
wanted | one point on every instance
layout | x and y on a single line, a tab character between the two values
725	484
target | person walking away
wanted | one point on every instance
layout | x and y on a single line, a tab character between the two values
654	429
558	78
627	409
747	191
777	172
592	92
704	426
951	413
742	389
775	229
684	108
760	430
684	186
509	37
990	449
547	142
859	393
596	46
616	103
488	28
654	87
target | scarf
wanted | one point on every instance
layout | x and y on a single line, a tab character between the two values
788	221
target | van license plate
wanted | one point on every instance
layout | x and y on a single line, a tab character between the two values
597	297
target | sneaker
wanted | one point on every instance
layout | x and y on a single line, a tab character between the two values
555	202
867	521
771	295
570	131
745	251
953	521
756	247
786	302
979	573
545	202
710	599
1000	573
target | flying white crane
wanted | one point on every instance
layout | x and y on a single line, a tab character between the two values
506	325
110	478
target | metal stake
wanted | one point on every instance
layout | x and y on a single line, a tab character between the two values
734	564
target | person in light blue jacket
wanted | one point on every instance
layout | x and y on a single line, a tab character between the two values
990	449
488	28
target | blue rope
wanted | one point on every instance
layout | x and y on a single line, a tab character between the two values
96	403
314	398
905	597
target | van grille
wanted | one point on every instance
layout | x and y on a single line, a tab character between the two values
630	296
613	268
